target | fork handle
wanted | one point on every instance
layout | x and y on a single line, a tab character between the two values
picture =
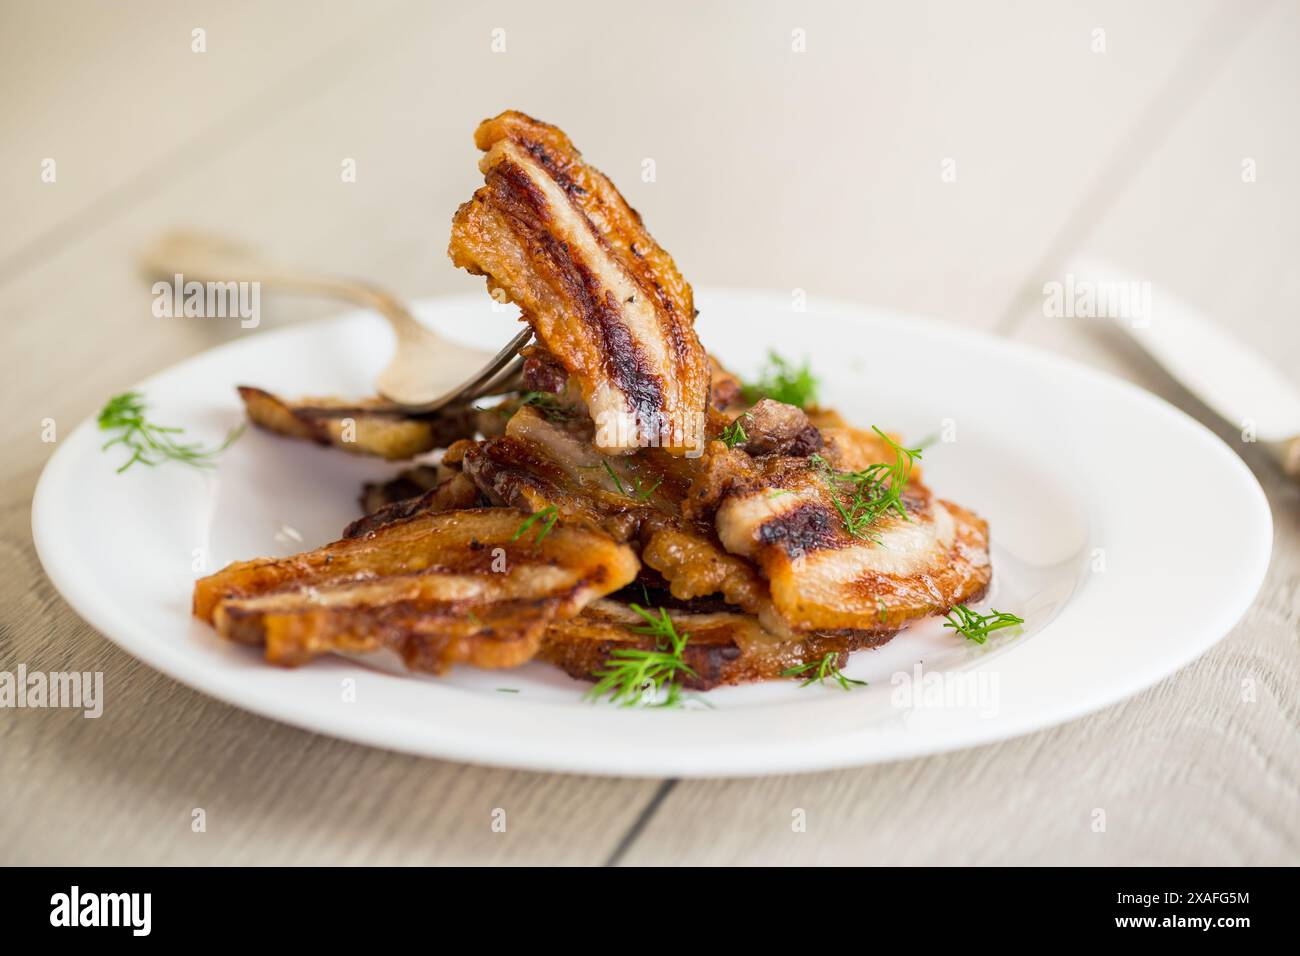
1288	453
206	257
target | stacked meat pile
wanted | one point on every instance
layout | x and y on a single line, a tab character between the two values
634	472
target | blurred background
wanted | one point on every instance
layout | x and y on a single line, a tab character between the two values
945	158
942	158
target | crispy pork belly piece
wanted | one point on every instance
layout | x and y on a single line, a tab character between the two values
716	471
361	428
553	235
542	460
774	428
542	372
722	647
438	588
692	564
726	390
406	484
452	493
851	449
539	463
823	578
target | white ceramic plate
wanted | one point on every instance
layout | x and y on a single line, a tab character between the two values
1127	535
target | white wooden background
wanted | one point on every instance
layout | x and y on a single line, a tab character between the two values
818	170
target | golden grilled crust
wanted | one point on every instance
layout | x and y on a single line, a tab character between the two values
722	647
553	235
405	485
694	565
438	588
452	493
539	464
355	427
726	389
619	442
824	578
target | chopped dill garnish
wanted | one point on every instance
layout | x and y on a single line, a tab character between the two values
630	674
548	516
617	483
782	381
152	444
977	627
876	489
822	669
548	404
636	492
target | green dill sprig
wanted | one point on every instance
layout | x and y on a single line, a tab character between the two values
876	489
734	434
629	673
548	404
548	516
977	627
782	381
152	444
822	669
636	492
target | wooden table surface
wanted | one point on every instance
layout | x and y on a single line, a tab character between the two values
821	170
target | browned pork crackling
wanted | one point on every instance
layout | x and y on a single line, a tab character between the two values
553	235
637	497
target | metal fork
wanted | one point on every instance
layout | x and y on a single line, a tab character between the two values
427	372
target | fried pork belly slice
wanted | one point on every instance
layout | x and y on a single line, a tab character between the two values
715	472
823	578
540	463
775	428
543	372
726	391
722	647
438	588
361	428
692	563
454	492
553	235
406	484
846	448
